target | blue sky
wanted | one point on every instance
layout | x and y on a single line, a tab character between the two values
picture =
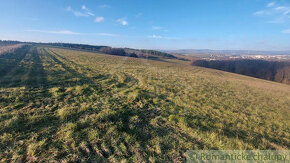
154	24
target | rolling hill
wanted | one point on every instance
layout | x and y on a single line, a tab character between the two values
67	105
136	53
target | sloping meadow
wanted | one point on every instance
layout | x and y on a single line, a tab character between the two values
65	105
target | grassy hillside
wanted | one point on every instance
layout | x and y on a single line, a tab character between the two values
64	105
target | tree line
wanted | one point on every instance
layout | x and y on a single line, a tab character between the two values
278	71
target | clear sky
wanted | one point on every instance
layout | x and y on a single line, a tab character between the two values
155	24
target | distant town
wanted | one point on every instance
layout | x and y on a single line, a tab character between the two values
236	57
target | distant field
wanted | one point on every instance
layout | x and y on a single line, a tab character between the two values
8	48
65	105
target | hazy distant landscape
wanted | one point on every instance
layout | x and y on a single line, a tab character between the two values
268	65
227	52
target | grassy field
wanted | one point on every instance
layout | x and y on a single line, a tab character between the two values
64	105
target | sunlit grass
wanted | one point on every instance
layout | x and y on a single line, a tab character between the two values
63	105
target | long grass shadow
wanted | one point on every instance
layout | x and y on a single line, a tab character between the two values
37	76
71	73
26	70
10	63
11	60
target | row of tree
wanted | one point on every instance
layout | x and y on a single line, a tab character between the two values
269	70
7	42
117	51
